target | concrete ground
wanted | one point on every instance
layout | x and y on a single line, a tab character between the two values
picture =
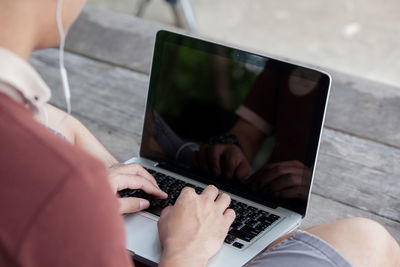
359	37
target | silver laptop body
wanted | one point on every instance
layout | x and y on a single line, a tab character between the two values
163	125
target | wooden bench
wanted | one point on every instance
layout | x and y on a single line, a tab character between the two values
108	60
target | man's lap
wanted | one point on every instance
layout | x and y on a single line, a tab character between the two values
300	249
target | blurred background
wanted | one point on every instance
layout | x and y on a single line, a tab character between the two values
359	37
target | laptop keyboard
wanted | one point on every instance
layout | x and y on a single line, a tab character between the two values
249	221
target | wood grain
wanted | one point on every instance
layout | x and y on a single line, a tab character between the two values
364	108
359	173
115	38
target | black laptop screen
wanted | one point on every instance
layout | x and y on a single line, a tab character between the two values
246	123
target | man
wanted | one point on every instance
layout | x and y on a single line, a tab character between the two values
56	205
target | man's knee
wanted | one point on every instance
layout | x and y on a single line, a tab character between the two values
380	242
350	228
362	241
369	232
365	227
363	231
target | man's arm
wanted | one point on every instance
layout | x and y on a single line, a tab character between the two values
77	134
78	225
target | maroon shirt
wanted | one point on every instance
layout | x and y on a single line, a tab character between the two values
56	206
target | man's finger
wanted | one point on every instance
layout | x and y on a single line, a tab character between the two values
210	192
132	204
138	182
135	169
187	194
166	211
223	201
229	216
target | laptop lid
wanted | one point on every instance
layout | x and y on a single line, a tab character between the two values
247	123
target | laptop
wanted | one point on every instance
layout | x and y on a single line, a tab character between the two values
246	123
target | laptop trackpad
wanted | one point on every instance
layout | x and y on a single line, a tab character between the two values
142	236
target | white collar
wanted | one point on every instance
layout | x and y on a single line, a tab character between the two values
18	76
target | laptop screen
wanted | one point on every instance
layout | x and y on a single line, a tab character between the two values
246	123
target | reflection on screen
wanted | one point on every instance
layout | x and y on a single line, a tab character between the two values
247	124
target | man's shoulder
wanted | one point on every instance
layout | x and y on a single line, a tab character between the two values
36	166
24	141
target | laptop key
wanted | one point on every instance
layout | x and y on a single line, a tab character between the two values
265	219
123	193
130	193
263	213
262	226
273	217
241	235
229	239
250	230
238	245
155	210
239	218
236	225
198	189
251	223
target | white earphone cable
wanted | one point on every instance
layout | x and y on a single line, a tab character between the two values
63	71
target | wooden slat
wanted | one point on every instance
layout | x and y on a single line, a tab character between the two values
352	172
364	108
357	106
323	210
360	173
115	38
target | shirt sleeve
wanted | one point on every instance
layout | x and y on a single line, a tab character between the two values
79	225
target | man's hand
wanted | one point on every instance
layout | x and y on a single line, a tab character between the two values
133	176
225	159
193	230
